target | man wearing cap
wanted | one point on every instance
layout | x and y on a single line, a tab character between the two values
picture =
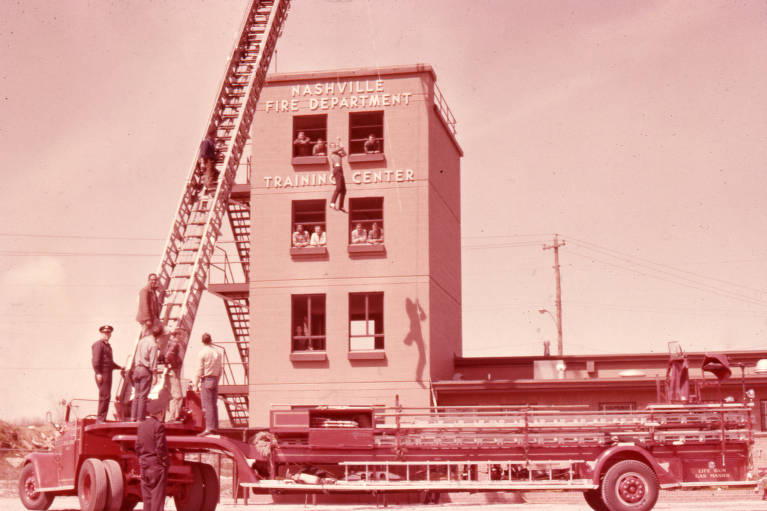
206	381
149	305
144	371
103	365
152	451
174	358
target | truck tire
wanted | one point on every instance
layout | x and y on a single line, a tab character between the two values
92	485
116	485
210	487
630	485
594	500
28	485
191	496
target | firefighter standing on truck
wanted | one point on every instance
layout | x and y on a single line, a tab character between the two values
103	365
152	451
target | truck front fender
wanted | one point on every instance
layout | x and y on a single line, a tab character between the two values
630	451
46	470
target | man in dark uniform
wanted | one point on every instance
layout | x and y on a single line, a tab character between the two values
153	460
208	160
149	305
103	365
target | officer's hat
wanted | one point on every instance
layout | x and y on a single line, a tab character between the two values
106	329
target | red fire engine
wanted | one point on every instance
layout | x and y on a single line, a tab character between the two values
619	460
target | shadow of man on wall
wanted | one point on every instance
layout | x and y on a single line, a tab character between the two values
416	315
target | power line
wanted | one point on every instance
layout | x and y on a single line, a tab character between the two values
25	253
587	245
690	283
76	236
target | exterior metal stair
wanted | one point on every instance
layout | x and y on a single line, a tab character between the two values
197	223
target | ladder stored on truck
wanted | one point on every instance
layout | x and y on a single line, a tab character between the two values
197	223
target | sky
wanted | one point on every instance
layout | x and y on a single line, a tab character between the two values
637	130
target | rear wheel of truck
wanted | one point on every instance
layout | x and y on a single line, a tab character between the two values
92	485
116	485
28	490
210	487
191	496
594	500
630	485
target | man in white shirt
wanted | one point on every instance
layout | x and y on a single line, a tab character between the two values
359	235
318	237
144	373
206	378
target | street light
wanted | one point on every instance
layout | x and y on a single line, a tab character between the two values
559	329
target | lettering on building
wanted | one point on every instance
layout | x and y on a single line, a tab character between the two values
360	177
338	95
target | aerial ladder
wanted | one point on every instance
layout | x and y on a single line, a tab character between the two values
197	224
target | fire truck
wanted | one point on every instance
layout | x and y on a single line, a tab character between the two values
618	460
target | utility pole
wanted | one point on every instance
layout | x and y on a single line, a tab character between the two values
558	277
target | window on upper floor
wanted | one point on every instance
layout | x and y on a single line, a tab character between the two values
366	330
310	135
366	226
308	323
366	132
308	227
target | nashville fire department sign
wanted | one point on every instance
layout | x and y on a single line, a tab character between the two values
337	95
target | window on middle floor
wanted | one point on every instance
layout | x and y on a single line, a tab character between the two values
308	226
308	130
366	330
308	323
366	225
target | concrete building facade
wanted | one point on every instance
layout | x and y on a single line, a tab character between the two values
353	320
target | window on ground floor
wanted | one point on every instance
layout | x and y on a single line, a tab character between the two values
308	325
366	321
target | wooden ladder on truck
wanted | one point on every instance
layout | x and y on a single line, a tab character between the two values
197	223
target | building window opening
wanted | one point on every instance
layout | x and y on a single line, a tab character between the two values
308	326
366	321
366	132
366	221
310	135
308	227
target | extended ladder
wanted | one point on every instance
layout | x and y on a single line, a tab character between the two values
197	223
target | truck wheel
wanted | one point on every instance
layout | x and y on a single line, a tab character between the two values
116	485
92	485
630	485
28	485
594	500
191	495
211	487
